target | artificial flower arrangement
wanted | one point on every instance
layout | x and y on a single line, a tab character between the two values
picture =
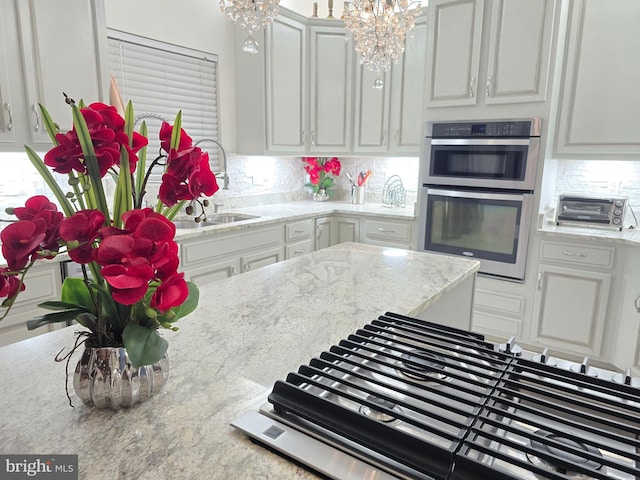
131	286
320	170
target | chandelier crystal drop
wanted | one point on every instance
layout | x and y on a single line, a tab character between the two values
379	28
252	15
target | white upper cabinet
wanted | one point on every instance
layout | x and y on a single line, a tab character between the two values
516	42
388	119
407	92
51	48
330	90
598	114
285	44
455	33
519	51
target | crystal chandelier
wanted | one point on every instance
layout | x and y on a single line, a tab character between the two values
252	15
379	28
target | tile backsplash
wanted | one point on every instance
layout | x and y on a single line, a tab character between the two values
252	180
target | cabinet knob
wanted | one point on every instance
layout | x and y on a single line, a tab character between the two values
234	271
488	89
636	303
247	267
472	86
36	126
7	107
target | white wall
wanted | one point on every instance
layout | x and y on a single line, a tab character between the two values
197	24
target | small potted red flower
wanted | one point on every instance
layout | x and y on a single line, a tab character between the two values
320	170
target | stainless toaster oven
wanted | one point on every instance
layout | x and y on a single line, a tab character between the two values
591	211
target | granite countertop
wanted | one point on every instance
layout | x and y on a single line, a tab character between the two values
628	236
247	332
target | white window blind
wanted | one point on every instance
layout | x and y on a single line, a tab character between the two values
161	79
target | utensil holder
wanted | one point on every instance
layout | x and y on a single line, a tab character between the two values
357	194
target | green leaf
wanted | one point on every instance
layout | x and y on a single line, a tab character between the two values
175	133
141	168
91	162
75	292
57	305
189	305
57	317
145	346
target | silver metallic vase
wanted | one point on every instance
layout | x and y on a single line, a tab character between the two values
105	378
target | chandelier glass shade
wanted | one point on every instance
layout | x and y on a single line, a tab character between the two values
252	15
379	28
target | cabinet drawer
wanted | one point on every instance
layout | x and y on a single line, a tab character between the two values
578	254
299	248
298	230
388	230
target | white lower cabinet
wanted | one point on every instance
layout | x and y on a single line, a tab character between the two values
336	229
626	341
572	297
498	314
216	256
298	237
43	283
387	233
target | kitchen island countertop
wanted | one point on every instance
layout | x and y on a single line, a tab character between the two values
247	332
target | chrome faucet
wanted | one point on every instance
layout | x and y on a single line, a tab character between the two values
225	176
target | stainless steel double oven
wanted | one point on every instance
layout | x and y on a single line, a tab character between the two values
477	188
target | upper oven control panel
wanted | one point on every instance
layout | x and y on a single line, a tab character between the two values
496	129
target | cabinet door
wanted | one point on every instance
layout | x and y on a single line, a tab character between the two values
330	91
598	115
570	309
407	92
60	43
455	32
214	272
323	232
345	229
285	48
8	56
371	111
519	51
261	259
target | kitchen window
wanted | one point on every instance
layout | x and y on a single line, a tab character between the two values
160	79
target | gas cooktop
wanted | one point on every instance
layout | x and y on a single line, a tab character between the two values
405	398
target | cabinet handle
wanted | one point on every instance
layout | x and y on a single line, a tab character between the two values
383	138
298	252
7	107
472	83
489	87
572	254
396	137
234	271
313	138
247	267
36	127
382	230
304	137
636	303
319	232
298	231
540	278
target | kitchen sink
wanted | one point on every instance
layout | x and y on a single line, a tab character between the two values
215	219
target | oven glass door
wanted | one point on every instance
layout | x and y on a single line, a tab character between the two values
482	163
492	227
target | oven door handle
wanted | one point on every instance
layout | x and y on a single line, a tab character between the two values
480	141
492	195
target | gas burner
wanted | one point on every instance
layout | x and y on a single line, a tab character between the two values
584	368
564	457
377	414
421	368
626	379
